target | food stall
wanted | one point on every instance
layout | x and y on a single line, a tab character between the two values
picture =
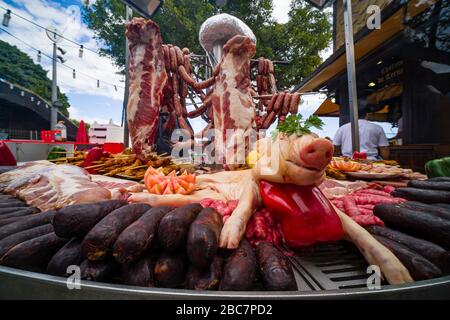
401	71
284	219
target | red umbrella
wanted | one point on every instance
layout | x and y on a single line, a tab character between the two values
81	133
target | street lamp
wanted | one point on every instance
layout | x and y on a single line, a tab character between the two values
54	35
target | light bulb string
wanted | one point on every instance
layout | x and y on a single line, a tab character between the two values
57	60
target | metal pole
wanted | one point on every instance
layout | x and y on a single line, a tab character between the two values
126	134
351	74
53	114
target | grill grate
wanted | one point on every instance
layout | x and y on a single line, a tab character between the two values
329	266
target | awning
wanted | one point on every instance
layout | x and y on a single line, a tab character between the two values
366	41
327	109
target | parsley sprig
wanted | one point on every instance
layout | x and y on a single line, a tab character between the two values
294	124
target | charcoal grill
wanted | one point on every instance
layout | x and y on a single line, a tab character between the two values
328	271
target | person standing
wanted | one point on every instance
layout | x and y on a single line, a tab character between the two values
372	139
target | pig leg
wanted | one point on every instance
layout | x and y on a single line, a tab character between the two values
374	252
234	228
175	200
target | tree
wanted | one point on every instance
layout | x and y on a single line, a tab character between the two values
300	40
18	68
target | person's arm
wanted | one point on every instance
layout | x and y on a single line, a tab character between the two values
337	141
383	145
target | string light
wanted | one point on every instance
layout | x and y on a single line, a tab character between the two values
115	87
73	74
80	52
8	11
39	56
61	60
6	18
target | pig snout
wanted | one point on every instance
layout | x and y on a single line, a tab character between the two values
317	154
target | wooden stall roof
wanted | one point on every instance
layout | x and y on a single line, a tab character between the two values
366	42
327	109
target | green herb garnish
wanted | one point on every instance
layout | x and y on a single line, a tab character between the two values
295	125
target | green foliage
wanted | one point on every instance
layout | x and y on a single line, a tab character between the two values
77	124
18	68
300	40
294	124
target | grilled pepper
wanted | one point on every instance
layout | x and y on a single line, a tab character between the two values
438	168
93	154
304	212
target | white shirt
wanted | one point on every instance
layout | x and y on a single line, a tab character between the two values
371	136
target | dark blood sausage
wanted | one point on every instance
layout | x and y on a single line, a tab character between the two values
20	213
33	254
22	236
440	179
275	269
240	270
69	254
6	197
137	238
436	254
432	185
6	221
7	204
442	205
27	223
174	227
427	208
103	270
170	270
139	273
100	240
77	220
419	267
422	195
9	210
205	279
203	238
416	223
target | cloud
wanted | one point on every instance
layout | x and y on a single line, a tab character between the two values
280	10
88	69
76	113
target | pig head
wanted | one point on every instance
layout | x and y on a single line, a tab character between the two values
299	160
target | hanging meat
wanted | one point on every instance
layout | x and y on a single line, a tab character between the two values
147	79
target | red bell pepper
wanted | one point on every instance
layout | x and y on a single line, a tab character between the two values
93	154
359	155
304	212
6	157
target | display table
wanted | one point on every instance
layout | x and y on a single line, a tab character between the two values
416	155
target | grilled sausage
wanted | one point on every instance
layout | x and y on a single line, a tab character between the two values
173	228
33	254
203	238
100	240
240	270
275	269
77	220
138	237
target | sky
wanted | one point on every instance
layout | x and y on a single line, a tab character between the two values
89	102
